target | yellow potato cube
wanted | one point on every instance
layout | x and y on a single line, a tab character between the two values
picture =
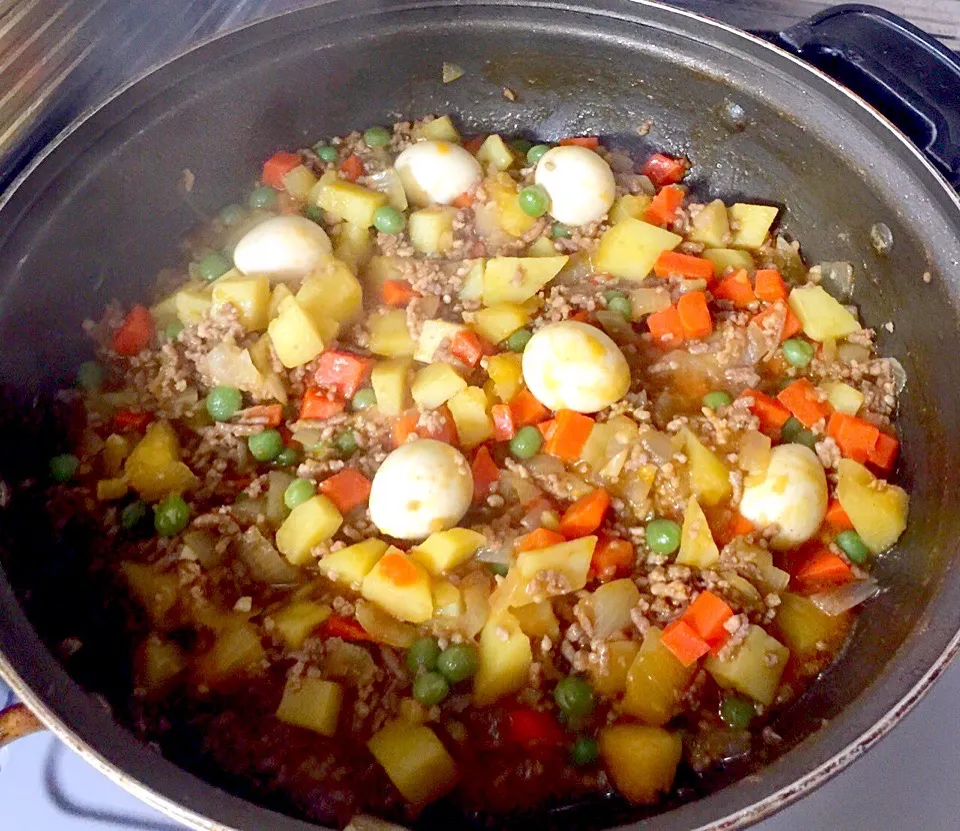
755	667
506	372
332	292
378	270
154	469
516	279
415	760
401	586
750	224
472	287
443	551
351	564
295	621
842	397
821	315
309	524
538	620
193	302
629	206
156	592
497	322
437	129
511	218
642	761
630	248
157	664
389	335
311	703
655	682
806	630
109	490
353	245
494	154
469	410
877	509
433	334
431	229
116	448
709	476
280	292
726	260
299	182
296	336
504	664
447	600
711	225
610	678
389	382
351	202
236	653
164	312
435	385
697	547
542	247
250	296
571	560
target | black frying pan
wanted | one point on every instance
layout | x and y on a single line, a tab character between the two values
101	211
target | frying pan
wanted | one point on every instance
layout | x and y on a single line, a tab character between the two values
102	209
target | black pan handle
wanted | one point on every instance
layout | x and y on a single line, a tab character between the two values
909	76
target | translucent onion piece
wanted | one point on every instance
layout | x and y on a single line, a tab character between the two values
837	279
646	301
837	601
849	353
610	605
203	546
692	284
658	445
615	325
754	453
450	73
881	238
383	627
899	374
476	601
230	366
263	561
388	182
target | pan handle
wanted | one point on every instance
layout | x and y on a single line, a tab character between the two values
909	76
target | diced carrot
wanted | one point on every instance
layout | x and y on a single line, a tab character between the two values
442	427
503	427
583	316
855	437
584	516
464	200
352	168
531	728
736	526
405	426
469	347
347	628
663	208
397	292
134	333
666	326
590	142
398	569
269	415
802	399
772	414
547	428
317	405
675	264
791	323
474	143
707	615
131	420
526	409
694	315
884	453
347	489
278	166
343	372
836	517
664	170
769	285
823	568
540	538
736	288
685	644
612	557
485	473
569	435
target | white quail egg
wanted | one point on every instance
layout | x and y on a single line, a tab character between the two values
579	183
283	248
437	172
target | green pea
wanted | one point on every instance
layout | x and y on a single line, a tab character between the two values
263	197
736	712
535	153
663	535
521	145
559	231
526	443
90	375
533	200
347	443
853	546
363	400
797	352
430	688
297	492
172	330
805	437
574	697
389	220
717	399
458	662
617	301
171	516
314	213
584	751
377	136
213	266
326	152
64	467
133	514
518	341
232	214
791	427
266	445
499	569
223	403
422	654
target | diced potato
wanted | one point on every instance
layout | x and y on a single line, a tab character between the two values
153	467
383	627
608	446
630	248
821	315
353	245
277	483
842	397
155	591
469	410
328	178
497	322
750	224
389	335
629	206
443	551
271	387
809	633
378	270
506	372
610	678
157	664
332	292
351	564
435	385
410	598
642	761
655	682
237	653
504	663
538	620
571	560
511	218
438	129
351	202
769	577
877	509
433	333
311	703
280	292
116	448
447	600
296	336
295	621
299	182
389	382
415	760
431	229
541	247
697	547
309	524
472	287
709	477
164	312
250	296
193	302
729	259
755	667
515	279
710	225
109	490
494	154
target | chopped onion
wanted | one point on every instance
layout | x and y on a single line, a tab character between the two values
502	555
203	546
754	453
636	492
250	509
262	560
837	279
533	518
828	351
610	605
615	325
743	587
881	238
451	72
787	258
837	601
525	491
230	366
899	374
647	301
388	181
850	352
688	285
476	602
658	445
384	627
